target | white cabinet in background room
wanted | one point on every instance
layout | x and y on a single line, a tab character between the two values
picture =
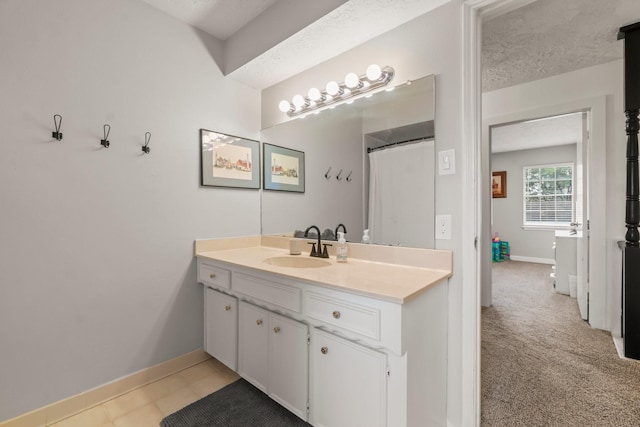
221	327
566	261
348	383
273	355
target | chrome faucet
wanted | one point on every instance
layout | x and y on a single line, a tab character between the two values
317	253
344	229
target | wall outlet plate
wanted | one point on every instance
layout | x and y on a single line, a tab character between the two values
443	227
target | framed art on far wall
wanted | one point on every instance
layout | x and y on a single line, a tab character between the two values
283	169
499	185
228	161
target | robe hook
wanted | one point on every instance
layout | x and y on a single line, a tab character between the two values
105	142
57	121
326	175
147	139
349	179
339	176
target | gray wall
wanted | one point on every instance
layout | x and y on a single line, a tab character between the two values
507	212
97	274
429	44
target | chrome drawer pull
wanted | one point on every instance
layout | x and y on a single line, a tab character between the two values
227	307
212	275
336	314
324	350
259	322
276	329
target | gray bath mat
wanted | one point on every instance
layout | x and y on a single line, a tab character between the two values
237	405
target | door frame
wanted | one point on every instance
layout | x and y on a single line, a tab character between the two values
598	304
476	198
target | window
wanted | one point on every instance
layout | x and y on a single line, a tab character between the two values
548	195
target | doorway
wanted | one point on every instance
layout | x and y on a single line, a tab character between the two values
600	308
544	165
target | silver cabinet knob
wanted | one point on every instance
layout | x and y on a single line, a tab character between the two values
336	314
276	329
227	307
212	275
324	350
259	322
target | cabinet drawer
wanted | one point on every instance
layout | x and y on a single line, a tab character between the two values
345	314
271	292
211	275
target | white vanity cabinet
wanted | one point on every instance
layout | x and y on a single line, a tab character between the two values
221	327
348	383
273	355
332	356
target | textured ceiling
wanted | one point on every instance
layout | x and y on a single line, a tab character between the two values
546	132
344	28
550	37
220	18
540	39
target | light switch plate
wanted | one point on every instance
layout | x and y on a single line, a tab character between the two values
447	162
443	227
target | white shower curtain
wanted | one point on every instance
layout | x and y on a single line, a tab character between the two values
401	195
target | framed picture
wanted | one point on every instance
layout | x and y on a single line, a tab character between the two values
283	169
499	184
228	161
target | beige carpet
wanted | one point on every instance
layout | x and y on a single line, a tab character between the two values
542	365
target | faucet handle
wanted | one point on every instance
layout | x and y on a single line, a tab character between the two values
313	249
325	254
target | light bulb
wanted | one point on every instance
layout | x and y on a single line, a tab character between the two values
314	94
298	101
284	106
351	80
374	72
332	88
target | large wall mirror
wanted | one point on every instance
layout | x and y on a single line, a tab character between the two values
368	164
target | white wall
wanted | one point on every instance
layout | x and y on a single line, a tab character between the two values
430	44
97	275
599	88
507	212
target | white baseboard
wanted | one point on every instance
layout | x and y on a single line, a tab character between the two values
532	259
617	341
61	409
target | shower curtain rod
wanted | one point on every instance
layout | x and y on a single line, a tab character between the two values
393	144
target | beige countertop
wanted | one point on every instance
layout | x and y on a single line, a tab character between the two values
387	281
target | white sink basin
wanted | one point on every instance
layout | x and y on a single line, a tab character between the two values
297	262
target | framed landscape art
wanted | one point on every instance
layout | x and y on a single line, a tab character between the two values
228	161
283	169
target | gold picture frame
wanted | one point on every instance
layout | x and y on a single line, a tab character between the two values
499	185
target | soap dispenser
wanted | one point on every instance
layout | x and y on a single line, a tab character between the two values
341	253
365	236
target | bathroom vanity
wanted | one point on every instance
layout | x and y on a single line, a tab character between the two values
362	343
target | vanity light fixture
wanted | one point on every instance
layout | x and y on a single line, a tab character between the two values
354	86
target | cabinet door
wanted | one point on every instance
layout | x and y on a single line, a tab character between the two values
348	383
289	364
221	327
253	360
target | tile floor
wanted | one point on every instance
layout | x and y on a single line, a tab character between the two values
148	405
